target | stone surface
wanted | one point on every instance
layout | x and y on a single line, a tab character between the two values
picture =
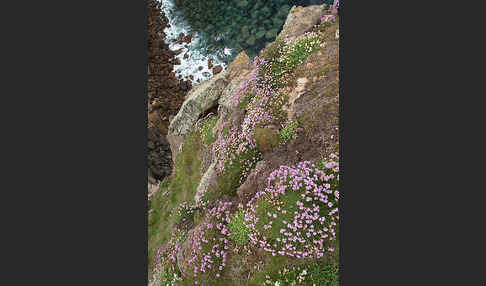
217	69
183	253
209	178
200	99
248	189
301	19
165	93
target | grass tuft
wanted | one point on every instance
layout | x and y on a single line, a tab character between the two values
238	231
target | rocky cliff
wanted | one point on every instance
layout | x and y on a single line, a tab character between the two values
254	188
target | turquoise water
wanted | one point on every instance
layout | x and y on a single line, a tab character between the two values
237	24
223	28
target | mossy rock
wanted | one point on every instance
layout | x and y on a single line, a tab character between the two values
266	138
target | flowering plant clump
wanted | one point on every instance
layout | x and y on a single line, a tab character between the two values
204	127
165	270
238	230
312	274
297	213
185	211
331	16
263	97
238	147
289	131
335	7
210	243
286	55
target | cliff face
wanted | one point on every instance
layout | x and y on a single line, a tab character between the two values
165	93
233	135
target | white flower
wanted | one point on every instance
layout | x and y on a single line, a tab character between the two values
277	283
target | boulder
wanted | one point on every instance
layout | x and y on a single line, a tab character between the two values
248	189
301	19
199	99
217	69
209	178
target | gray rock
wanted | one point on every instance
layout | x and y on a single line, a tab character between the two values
199	99
301	19
209	178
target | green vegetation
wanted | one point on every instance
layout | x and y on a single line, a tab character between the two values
249	264
266	138
233	175
305	274
206	130
245	101
181	187
288	132
238	231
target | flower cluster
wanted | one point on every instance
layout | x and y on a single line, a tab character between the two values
295	52
289	131
297	213
331	18
165	270
335	7
263	95
238	146
306	274
210	242
185	210
328	18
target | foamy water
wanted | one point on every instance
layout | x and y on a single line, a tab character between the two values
190	65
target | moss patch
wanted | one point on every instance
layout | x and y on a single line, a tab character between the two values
238	231
266	138
181	187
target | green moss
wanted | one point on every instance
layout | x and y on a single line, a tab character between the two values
323	71
264	206
237	230
266	138
272	265
244	102
233	175
157	234
206	130
181	187
306	273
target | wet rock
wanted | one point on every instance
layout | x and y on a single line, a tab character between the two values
187	39
217	69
